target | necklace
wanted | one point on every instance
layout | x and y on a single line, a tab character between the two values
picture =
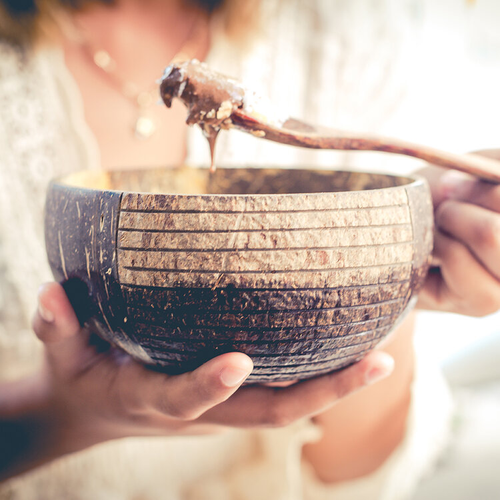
144	126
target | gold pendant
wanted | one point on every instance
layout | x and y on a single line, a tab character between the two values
144	127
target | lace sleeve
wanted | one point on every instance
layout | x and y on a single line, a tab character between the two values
20	351
39	139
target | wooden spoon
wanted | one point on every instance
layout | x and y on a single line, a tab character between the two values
216	102
299	133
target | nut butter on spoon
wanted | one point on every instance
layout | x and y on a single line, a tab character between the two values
216	102
211	98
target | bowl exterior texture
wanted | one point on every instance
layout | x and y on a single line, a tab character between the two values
304	284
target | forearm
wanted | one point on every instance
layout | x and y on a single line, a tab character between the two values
360	432
26	430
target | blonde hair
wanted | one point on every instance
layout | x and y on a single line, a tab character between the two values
31	20
241	18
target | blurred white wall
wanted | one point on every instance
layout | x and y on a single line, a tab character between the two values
454	104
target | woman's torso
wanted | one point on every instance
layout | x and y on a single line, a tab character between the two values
45	135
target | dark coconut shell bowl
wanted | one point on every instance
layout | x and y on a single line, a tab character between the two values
304	270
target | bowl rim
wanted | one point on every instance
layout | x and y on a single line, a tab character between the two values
65	181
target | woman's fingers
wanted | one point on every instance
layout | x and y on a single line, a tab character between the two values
258	406
184	397
476	227
462	187
466	247
462	284
208	394
56	325
55	319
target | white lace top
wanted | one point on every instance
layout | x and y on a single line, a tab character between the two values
354	56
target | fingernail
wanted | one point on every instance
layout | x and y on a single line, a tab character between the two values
231	376
383	370
45	314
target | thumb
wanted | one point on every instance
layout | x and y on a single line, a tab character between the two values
191	394
56	325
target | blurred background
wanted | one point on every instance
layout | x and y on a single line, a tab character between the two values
457	98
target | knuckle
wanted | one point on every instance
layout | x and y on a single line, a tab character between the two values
36	326
277	417
133	395
155	395
129	402
488	234
479	305
445	213
342	386
176	409
489	305
181	413
454	253
203	391
44	332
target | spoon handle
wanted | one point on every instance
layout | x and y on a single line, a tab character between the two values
297	133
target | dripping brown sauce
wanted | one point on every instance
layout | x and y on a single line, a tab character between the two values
210	98
211	137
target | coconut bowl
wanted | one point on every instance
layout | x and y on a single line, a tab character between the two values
305	271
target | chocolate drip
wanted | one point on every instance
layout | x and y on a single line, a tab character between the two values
211	136
209	96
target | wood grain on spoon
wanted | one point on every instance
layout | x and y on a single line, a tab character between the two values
297	133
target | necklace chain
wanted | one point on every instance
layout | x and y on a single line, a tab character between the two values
144	125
